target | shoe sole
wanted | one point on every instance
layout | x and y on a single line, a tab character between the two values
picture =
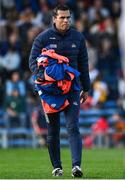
77	174
58	175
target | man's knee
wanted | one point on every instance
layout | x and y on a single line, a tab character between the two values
73	129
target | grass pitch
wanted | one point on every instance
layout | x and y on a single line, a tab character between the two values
35	164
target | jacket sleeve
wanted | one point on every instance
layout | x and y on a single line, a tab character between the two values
35	52
83	66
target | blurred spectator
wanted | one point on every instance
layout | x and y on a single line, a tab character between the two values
10	61
12	41
15	41
79	8
100	132
109	65
82	24
107	62
99	137
31	33
100	92
25	23
14	107
39	125
97	6
115	9
15	83
119	128
46	13
103	27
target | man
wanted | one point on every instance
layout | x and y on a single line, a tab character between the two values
70	43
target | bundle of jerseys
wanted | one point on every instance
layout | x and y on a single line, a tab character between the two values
56	81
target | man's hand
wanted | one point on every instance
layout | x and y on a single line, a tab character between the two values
83	96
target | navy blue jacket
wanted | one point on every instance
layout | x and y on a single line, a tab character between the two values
71	44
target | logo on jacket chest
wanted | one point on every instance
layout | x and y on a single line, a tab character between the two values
53	45
73	45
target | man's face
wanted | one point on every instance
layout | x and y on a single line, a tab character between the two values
62	20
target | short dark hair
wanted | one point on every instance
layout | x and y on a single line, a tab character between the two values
60	7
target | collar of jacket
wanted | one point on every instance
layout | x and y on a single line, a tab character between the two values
56	31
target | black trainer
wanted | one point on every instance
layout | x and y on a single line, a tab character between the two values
57	172
77	172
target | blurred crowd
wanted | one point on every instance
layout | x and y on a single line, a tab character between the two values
22	20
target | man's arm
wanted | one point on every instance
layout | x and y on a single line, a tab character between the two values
35	52
84	70
83	66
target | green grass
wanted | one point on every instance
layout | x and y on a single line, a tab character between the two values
35	164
